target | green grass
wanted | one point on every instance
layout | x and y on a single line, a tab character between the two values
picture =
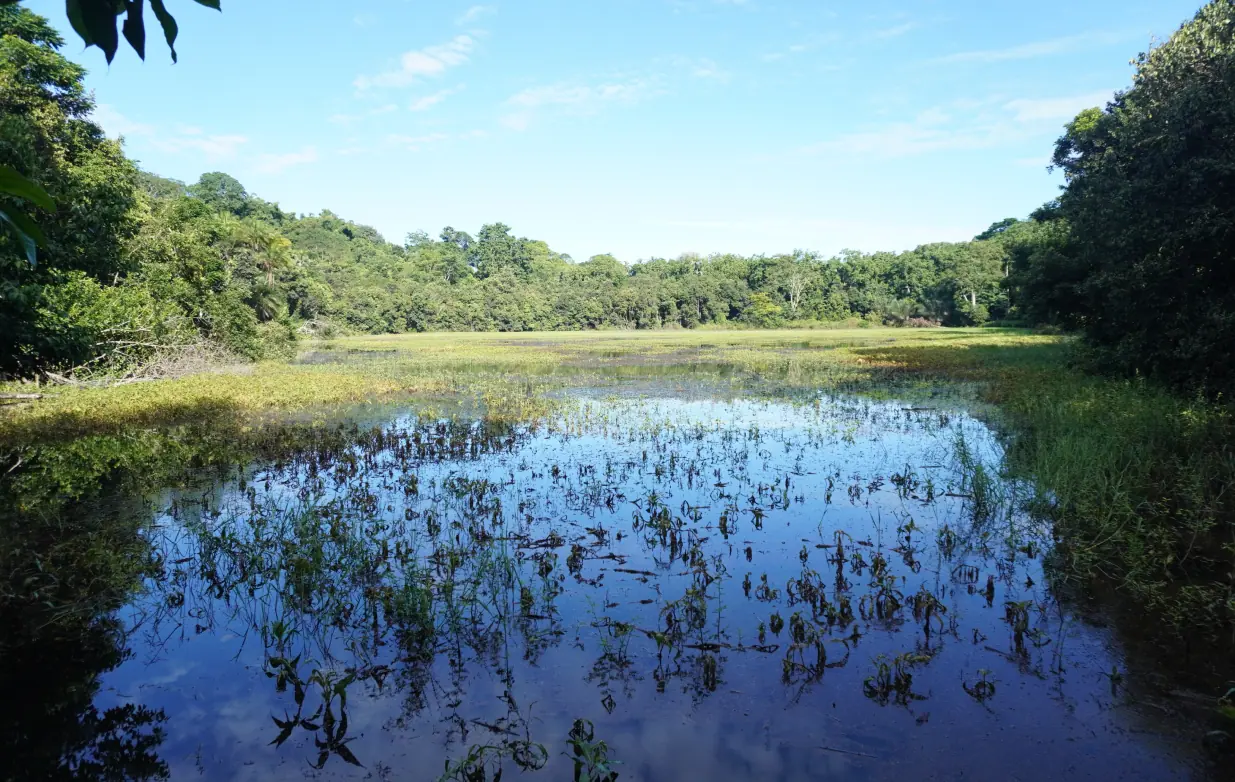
1136	478
443	364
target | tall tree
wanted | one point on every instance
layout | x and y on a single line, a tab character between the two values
1150	199
46	136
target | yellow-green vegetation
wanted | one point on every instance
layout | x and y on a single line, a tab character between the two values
477	365
70	411
1137	478
1134	476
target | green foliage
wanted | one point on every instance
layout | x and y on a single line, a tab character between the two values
95	21
28	232
1149	273
212	261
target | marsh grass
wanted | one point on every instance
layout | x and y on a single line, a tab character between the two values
424	551
1135	479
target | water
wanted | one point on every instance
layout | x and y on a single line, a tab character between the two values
720	589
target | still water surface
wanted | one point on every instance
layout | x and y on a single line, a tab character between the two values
719	589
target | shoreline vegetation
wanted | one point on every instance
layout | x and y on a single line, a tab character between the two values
1098	334
1134	477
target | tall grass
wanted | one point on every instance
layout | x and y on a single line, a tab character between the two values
1138	480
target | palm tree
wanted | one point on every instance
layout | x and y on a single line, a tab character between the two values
269	249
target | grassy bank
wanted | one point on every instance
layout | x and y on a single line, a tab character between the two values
1137	479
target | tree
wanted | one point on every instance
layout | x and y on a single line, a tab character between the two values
222	192
797	286
496	249
996	229
762	311
47	137
95	22
1150	202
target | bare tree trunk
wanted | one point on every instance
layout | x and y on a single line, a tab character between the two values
797	285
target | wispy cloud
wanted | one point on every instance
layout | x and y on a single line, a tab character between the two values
895	32
580	94
575	98
364	20
426	102
802	47
213	146
962	125
116	124
274	164
348	119
184	138
420	63
703	68
475	13
1060	109
414	143
1035	49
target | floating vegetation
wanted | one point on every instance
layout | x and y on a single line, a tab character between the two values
546	589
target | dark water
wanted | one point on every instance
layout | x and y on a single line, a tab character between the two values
722	590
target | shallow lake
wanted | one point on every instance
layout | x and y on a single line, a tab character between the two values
669	588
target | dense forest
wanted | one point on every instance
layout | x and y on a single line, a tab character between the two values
1133	254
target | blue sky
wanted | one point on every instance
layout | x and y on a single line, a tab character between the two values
637	127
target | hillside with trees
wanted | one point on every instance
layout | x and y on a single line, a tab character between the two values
1133	254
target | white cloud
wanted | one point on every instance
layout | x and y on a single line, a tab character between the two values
419	63
364	20
1058	109
1028	51
429	101
812	42
577	95
116	124
893	32
1041	161
474	13
964	125
348	119
186	138
702	68
214	146
274	164
904	139
573	99
414	143
517	121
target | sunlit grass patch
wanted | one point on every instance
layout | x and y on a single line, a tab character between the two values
267	387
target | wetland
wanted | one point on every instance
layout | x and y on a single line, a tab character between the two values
580	559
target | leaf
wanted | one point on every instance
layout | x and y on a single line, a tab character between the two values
285	732
210	4
345	753
322	757
14	184
168	23
134	28
27	233
73	9
100	23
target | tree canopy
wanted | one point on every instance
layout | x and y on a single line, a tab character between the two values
1135	253
1148	268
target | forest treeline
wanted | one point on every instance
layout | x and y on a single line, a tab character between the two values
1134	253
